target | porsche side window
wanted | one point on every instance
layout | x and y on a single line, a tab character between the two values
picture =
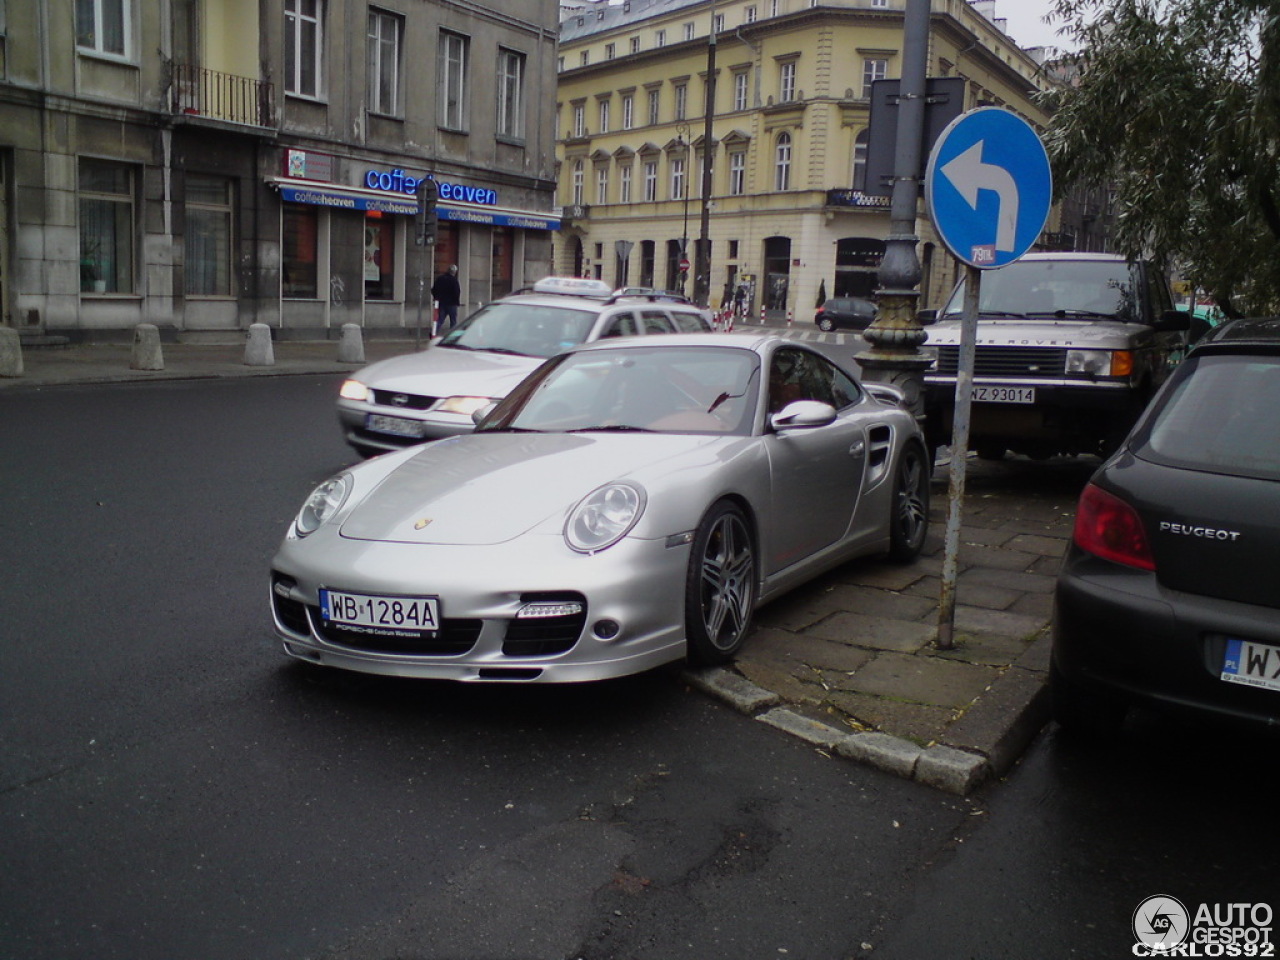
801	375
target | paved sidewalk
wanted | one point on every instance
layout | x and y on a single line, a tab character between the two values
848	662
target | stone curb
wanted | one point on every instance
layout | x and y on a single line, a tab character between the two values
954	769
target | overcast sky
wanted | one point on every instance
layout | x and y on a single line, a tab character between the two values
1025	25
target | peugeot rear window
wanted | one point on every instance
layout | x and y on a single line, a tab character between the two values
1221	416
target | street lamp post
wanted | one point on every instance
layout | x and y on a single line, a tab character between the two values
682	134
702	265
896	334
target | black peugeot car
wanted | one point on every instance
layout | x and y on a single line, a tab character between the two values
1169	595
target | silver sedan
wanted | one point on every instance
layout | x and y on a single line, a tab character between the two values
631	503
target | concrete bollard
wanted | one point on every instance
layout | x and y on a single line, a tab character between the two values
10	353
258	351
351	347
146	348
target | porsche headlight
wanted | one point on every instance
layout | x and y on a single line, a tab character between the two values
325	500
464	405
604	517
353	390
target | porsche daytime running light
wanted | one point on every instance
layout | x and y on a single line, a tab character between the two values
353	390
604	517
325	500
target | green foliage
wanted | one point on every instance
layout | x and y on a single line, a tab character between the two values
1177	107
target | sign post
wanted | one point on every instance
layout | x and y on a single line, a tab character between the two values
425	225
988	188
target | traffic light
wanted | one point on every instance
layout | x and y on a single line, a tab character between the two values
425	222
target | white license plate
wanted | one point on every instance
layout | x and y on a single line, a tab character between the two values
381	616
1253	664
984	393
397	426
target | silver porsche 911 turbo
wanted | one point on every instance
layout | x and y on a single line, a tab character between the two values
630	503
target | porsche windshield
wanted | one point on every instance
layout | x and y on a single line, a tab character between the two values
526	329
650	389
1040	288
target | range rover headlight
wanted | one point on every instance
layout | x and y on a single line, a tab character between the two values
604	516
325	500
1089	363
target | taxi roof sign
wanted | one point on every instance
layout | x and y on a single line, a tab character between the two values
573	286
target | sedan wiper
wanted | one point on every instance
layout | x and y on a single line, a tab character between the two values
611	428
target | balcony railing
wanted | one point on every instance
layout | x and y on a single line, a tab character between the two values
222	96
855	198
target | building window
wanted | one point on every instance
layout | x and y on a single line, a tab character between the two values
860	160
717	25
635	44
584	58
385	31
207	237
304	47
511	94
749	15
453	80
610	51
653	106
300	246
787	81
103	26
774	8
624	183
879	3
577	182
628	111
650	181
660	38
682	100
782	162
602	185
873	69
379	256
579	120
738	173
688	31
740	81
677	178
604	116
106	227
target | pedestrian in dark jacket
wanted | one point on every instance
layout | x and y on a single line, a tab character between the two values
447	292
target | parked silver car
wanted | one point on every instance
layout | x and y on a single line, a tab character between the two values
430	394
630	503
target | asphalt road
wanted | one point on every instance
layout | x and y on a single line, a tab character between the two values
172	787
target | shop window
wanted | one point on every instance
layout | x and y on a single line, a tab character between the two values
208	236
379	256
300	236
502	262
106	202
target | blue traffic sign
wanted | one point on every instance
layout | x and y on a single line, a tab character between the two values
988	187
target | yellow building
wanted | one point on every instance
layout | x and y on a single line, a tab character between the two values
788	216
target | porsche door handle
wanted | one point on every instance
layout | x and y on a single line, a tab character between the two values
857	449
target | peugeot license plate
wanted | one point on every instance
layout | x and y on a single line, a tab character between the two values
1253	664
986	393
396	426
381	616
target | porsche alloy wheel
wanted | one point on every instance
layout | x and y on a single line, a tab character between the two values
721	586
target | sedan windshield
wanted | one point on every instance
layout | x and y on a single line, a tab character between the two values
655	389
521	328
1076	288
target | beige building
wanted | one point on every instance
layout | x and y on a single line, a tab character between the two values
789	216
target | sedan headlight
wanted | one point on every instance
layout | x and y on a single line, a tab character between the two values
464	405
325	500
604	516
353	390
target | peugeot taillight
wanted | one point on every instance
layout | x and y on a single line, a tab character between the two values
1109	528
